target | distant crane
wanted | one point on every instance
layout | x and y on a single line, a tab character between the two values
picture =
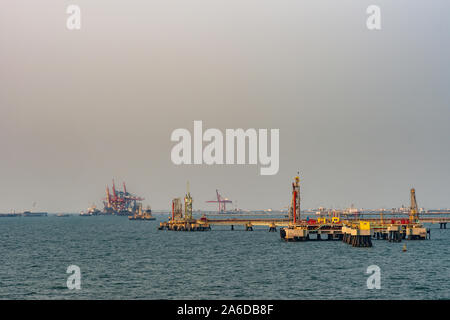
120	202
221	201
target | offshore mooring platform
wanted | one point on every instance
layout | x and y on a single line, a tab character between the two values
354	229
184	221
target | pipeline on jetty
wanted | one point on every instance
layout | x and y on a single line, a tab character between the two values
356	231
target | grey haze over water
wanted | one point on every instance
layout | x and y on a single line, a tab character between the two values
363	114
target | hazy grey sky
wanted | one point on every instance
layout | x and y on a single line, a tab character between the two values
363	114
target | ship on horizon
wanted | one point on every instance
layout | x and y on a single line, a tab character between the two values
34	214
91	211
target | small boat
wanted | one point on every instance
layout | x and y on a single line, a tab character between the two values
63	215
142	215
12	214
91	211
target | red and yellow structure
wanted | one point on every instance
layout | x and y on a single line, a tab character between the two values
357	232
354	230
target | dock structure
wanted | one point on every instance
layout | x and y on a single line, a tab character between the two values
179	222
357	232
357	235
306	231
183	221
322	228
184	225
205	223
248	223
441	221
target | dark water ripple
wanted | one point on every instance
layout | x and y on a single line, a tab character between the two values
121	259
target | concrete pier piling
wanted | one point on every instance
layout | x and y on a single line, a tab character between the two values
304	232
416	233
361	241
293	234
394	234
357	236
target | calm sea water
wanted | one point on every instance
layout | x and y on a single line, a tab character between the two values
122	259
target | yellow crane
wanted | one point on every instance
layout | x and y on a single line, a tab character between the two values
414	211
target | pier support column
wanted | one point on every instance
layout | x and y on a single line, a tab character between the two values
394	234
354	241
